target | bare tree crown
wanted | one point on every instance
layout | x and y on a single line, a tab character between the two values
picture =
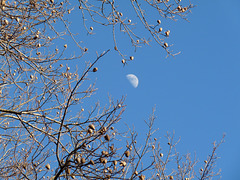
42	136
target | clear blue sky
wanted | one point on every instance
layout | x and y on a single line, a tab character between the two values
196	93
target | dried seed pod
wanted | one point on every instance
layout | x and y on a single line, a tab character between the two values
36	36
85	49
103	130
103	160
129	21
153	147
84	145
167	32
68	171
107	137
91	28
47	166
179	8
166	45
115	162
78	160
65	45
159	21
92	162
90	131
5	22
123	61
127	153
136	173
170	177
112	148
131	57
161	154
83	160
123	163
51	1
91	126
142	177
95	69
205	162
160	29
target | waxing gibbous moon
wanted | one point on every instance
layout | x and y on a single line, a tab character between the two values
133	80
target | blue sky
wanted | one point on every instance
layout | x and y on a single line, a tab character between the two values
196	93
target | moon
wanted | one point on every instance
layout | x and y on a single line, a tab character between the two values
133	80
